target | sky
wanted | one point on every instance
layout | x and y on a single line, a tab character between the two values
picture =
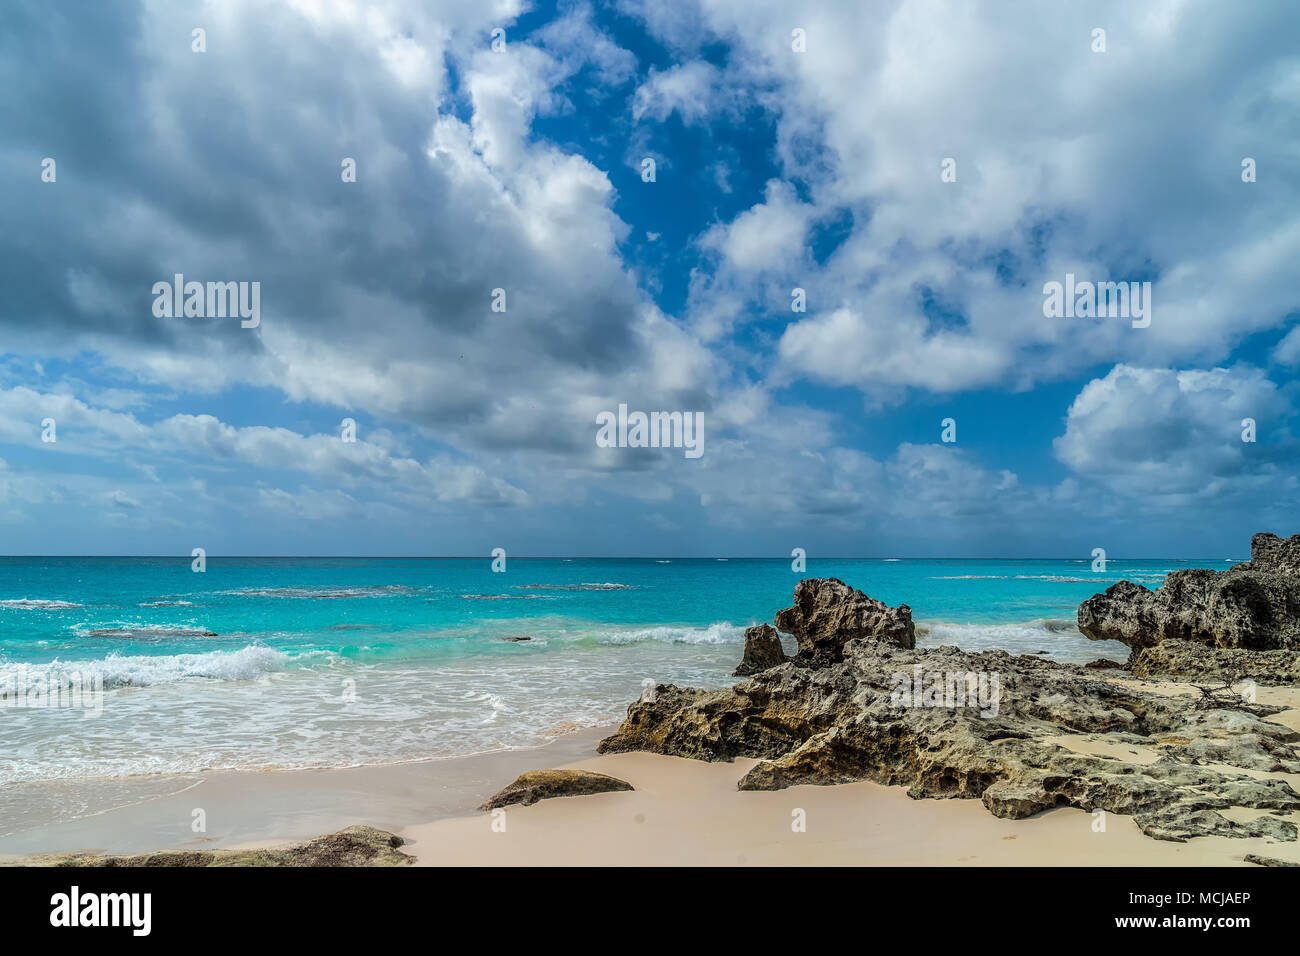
920	170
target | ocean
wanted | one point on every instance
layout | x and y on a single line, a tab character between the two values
262	663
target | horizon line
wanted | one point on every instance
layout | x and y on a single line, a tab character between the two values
616	557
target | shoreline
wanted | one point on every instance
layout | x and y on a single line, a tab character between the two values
243	808
1177	758
681	812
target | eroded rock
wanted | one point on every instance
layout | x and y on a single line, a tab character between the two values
897	715
827	614
1252	606
762	650
355	846
1185	659
542	784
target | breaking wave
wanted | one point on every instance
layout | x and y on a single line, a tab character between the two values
138	670
37	604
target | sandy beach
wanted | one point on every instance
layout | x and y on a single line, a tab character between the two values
682	812
688	813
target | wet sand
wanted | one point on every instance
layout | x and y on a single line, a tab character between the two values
682	812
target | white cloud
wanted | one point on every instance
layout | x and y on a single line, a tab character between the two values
1116	165
1159	432
769	235
692	90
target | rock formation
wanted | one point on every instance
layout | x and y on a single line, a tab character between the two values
1183	626
355	846
543	784
827	614
762	650
987	726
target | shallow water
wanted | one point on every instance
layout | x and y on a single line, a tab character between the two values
260	663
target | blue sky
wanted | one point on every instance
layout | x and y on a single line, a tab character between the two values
521	168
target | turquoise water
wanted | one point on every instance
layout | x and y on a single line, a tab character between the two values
262	662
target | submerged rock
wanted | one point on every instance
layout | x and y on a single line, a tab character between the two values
762	650
543	784
1252	606
827	613
987	726
355	846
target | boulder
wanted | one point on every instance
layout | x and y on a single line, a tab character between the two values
827	614
543	784
762	650
1253	606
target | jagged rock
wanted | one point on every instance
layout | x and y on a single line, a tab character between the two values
762	650
355	846
1254	606
1103	664
862	718
827	613
1266	860
1268	552
543	784
1183	658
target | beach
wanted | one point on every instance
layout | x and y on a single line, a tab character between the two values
681	812
219	723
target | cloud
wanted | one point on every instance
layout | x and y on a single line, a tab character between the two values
767	236
944	279
1162	433
103	435
480	170
692	90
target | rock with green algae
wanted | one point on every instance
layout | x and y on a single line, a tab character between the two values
543	784
354	846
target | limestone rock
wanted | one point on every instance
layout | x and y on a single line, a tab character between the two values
762	650
1266	860
355	846
541	784
1252	606
858	719
827	614
1183	658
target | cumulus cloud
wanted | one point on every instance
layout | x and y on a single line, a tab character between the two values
1164	433
480	170
1014	94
